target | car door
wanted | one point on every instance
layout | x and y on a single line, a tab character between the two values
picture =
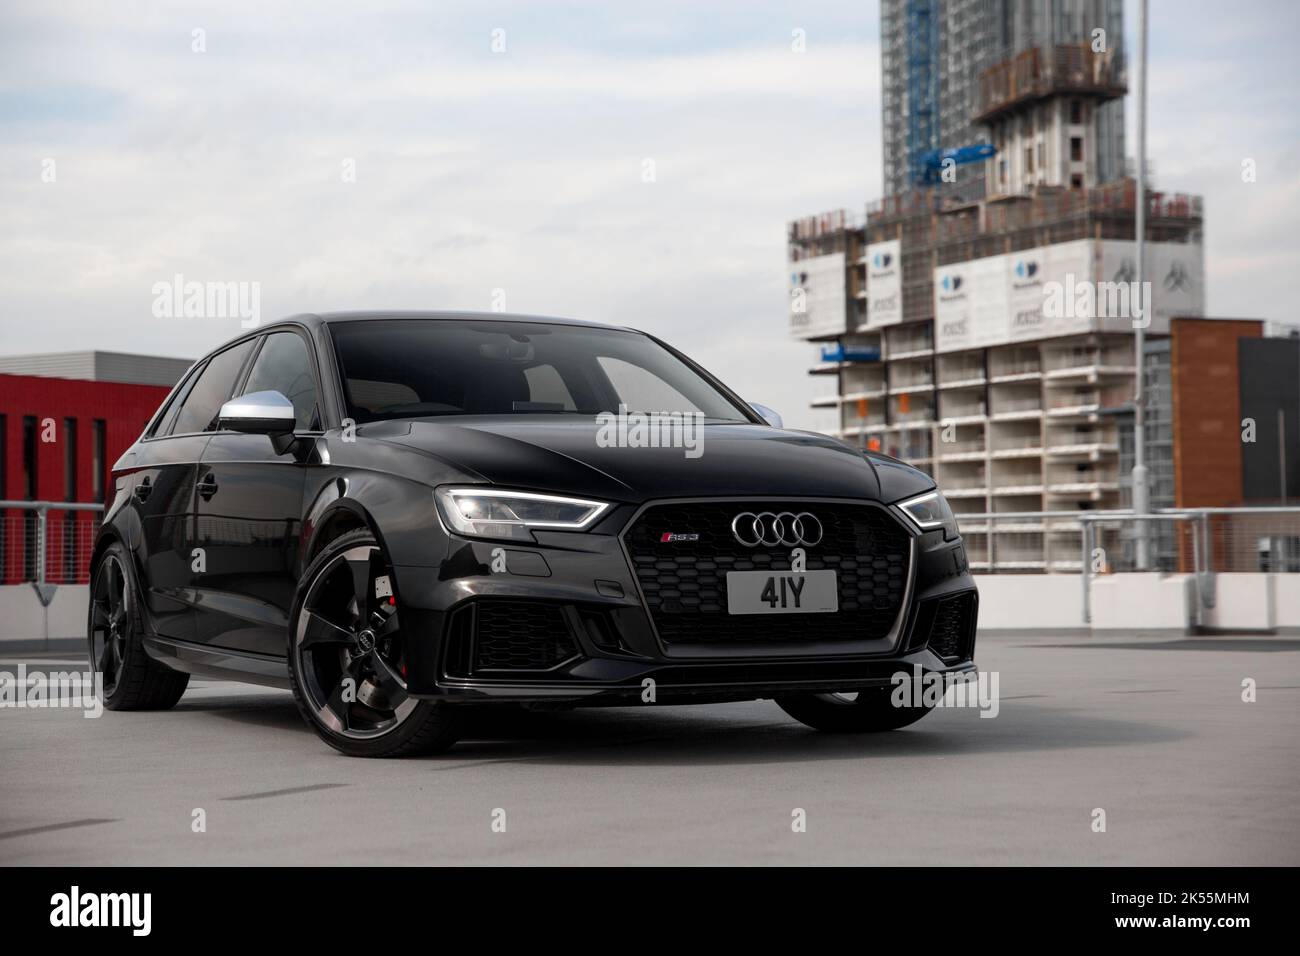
163	488
249	505
164	469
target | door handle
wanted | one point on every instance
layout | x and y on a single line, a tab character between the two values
207	487
143	489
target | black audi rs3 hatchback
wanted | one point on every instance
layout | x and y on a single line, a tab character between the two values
403	516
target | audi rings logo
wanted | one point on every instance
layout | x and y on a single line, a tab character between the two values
774	530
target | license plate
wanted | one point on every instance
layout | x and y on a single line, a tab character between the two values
776	592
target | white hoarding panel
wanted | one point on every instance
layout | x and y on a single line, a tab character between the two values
970	304
1067	266
1176	274
1025	274
1068	288
818	297
952	313
990	301
884	283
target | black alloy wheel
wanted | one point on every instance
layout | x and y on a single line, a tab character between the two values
347	660
114	632
109	622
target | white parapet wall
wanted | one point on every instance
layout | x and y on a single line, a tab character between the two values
1138	603
1030	602
1286	602
1250	601
1142	603
66	615
27	624
22	617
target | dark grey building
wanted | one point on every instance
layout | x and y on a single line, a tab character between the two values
1270	396
96	366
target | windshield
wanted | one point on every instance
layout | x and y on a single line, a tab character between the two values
415	368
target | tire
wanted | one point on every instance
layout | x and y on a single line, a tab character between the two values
867	711
114	634
339	631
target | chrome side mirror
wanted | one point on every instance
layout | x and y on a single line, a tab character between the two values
258	413
768	415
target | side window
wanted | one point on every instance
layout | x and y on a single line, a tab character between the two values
164	424
198	412
284	365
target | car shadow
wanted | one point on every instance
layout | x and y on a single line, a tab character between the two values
274	710
725	733
681	735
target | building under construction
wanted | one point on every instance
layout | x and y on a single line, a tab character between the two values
978	321
947	74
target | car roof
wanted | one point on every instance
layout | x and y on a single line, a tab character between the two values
324	318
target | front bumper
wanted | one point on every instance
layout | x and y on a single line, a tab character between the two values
602	646
610	683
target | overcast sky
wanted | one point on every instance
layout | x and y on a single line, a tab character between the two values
523	170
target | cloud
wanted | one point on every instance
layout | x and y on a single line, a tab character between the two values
1224	90
520	171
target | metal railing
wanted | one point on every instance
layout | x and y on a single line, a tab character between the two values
1247	539
1091	558
1200	542
47	542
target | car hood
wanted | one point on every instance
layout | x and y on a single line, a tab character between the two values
574	456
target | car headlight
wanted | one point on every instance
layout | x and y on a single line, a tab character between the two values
492	513
930	511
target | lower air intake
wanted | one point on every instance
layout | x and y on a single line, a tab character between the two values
494	634
953	632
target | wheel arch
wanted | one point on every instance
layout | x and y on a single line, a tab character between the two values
398	511
334	511
336	520
329	522
109	535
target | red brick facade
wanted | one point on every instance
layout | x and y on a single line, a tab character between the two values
1207	410
28	406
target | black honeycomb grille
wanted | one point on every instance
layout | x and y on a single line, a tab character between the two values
685	582
950	634
520	635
